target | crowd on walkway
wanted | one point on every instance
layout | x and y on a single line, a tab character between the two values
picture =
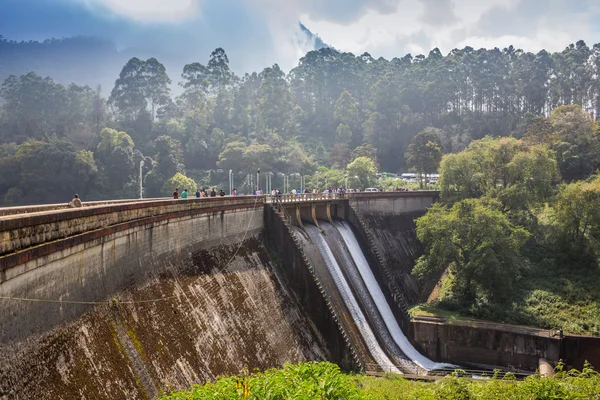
333	192
204	193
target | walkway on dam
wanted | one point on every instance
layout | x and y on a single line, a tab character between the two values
264	199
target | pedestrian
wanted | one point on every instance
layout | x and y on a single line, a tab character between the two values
176	193
234	192
76	202
213	193
197	193
222	193
184	194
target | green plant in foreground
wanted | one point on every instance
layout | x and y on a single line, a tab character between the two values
325	381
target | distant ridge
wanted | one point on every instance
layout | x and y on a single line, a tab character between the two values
85	60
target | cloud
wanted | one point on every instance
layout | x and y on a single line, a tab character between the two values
148	10
259	33
438	12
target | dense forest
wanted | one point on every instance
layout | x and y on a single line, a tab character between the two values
333	116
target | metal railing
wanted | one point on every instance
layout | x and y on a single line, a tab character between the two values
301	197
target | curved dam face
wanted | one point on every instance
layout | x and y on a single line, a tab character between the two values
195	296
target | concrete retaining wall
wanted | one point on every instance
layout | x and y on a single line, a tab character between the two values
477	343
139	242
225	308
394	203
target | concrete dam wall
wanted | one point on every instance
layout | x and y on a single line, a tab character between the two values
196	295
391	223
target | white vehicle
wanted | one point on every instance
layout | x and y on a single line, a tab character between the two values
371	190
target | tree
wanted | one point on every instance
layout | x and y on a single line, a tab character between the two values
156	88
478	244
518	174
111	139
168	162
232	156
362	173
53	171
180	181
346	113
576	142
274	101
140	83
365	150
343	134
425	152
577	218
195	83
34	107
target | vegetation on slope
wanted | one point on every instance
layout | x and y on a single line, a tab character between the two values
325	381
516	236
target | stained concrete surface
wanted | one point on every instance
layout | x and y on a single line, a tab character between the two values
218	318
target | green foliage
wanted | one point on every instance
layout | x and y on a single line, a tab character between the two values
111	139
577	218
478	243
576	141
518	174
141	84
53	170
425	151
302	381
181	182
320	381
362	173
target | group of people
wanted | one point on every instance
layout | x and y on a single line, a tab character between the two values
201	193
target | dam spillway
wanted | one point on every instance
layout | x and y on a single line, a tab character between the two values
346	265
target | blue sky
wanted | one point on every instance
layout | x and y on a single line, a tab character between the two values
258	33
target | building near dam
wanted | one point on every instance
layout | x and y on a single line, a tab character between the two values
127	299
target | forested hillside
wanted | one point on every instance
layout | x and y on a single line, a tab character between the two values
334	115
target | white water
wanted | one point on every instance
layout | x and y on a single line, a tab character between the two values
381	302
357	315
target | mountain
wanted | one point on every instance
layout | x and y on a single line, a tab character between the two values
319	43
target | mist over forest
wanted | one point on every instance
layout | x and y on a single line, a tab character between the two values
336	114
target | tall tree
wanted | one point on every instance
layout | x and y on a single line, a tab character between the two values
140	84
425	152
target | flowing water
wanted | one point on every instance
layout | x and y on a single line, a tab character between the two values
376	351
377	295
359	289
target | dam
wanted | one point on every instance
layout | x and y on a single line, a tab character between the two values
128	299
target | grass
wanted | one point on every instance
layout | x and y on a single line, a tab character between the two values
434	310
546	296
324	381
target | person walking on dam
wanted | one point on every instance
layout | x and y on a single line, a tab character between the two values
184	194
176	193
76	202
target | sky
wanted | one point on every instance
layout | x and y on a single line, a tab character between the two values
259	33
